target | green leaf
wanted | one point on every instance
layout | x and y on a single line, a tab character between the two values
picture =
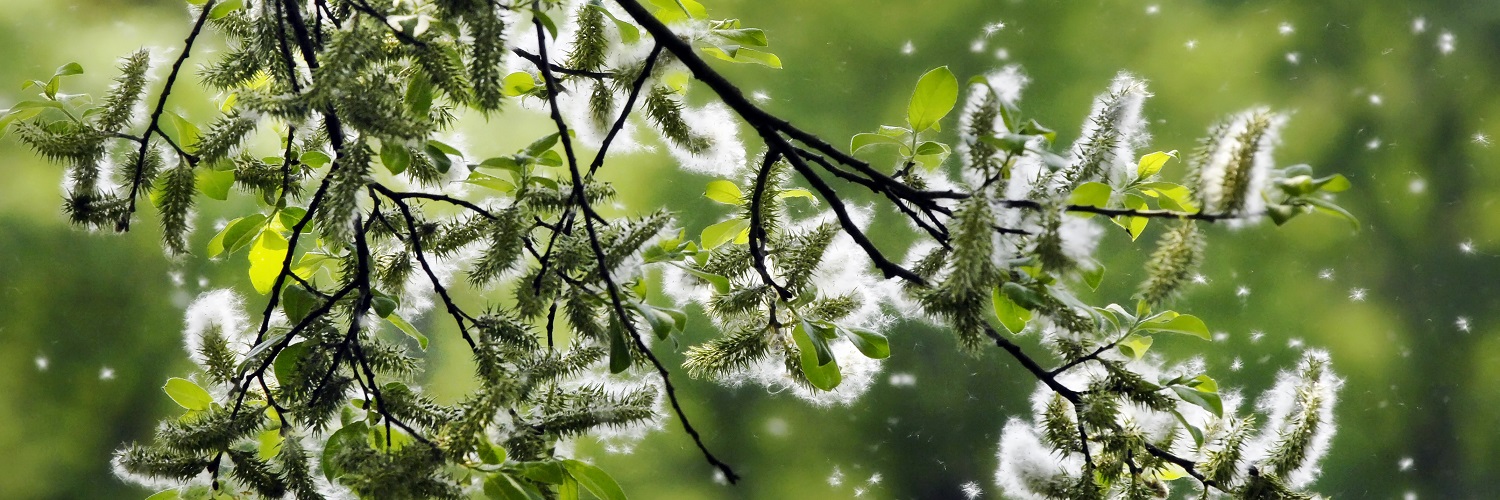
724	192
821	376
225	8
720	283
285	364
489	181
721	233
1133	225
595	480
268	444
936	93
491	454
310	264
354	434
214	183
1093	276
235	234
187	394
1178	323
315	159
1135	346
744	55
1206	400
171	494
1333	209
438	156
1152	163
619	350
1011	315
1192	429
419	94
661	323
501	486
1090	194
1031	127
68	69
266	255
181	132
819	335
395	157
408	329
872	344
743	36
1170	196
383	304
628	32
1335	183
1023	297
517	83
798	193
866	139
297	302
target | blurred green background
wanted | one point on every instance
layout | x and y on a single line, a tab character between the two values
1394	94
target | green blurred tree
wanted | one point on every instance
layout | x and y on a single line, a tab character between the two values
314	400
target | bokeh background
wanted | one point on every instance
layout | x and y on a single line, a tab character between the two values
1395	94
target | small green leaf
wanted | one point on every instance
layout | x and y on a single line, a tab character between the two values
315	159
724	192
1181	198
395	157
619	350
1152	163
297	302
225	8
491	454
285	364
187	394
798	193
1133	225
214	183
721	233
628	32
1335	183
383	305
821	376
1135	346
501	486
1023	297
266	255
68	69
934	97
354	434
1192	429
268	444
177	129
1175	323
744	55
872	344
866	139
517	83
661	323
595	480
438	156
1011	315
1208	401
171	494
743	36
235	234
1090	194
1093	276
489	181
1333	209
408	329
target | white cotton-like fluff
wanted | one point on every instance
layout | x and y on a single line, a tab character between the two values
859	374
1280	405
220	309
725	155
622	439
1080	237
1117	110
1228	147
1005	84
420	294
1029	468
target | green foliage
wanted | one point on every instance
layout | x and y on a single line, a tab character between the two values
339	249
